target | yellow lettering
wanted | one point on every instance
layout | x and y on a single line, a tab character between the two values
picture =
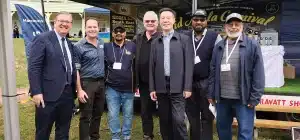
214	18
269	20
210	15
223	16
188	23
254	19
178	24
261	21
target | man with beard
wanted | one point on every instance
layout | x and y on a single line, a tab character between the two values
119	58
52	78
170	76
236	81
197	107
143	41
89	60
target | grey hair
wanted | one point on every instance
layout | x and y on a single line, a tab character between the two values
150	13
63	13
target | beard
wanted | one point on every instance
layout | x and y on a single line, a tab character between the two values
199	29
233	34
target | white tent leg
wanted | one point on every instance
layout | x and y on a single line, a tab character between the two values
7	72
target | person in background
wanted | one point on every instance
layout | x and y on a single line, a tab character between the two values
197	107
143	47
119	58
170	76
89	60
52	78
236	81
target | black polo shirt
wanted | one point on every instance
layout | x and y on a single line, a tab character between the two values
120	79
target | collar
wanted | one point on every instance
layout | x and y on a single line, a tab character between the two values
242	41
173	33
152	36
58	36
203	34
117	46
84	41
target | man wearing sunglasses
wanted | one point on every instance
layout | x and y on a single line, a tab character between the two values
143	41
197	107
119	58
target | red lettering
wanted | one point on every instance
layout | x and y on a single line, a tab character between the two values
261	101
283	102
275	102
296	103
269	101
291	103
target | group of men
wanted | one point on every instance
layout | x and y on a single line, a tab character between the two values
184	73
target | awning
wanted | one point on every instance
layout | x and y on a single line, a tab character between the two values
96	10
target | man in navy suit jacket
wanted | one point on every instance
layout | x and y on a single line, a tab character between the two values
52	78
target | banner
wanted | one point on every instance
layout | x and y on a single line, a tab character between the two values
128	22
257	16
32	24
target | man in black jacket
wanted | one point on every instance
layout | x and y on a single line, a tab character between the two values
199	115
170	76
143	47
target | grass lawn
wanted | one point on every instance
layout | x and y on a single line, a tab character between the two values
27	111
291	86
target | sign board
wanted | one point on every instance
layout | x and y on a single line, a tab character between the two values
280	100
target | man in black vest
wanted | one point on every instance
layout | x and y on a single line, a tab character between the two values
197	107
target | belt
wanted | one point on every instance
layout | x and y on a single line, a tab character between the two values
92	79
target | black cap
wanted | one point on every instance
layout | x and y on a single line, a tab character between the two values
118	25
200	13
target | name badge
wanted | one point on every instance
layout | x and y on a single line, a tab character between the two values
117	66
225	67
197	60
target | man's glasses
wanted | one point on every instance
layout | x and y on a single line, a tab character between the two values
64	21
119	30
199	19
148	21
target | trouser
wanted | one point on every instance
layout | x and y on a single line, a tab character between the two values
171	107
147	109
91	111
58	112
226	108
199	115
115	100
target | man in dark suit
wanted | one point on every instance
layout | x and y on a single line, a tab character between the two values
52	78
170	76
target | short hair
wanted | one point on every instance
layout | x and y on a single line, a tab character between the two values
167	9
92	18
152	13
63	13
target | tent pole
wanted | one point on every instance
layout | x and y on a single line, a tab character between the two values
7	74
194	7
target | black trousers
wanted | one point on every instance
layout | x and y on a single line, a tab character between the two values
201	126
147	109
60	112
91	111
171	107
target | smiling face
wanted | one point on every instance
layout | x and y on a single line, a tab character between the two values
199	23
92	28
234	28
150	21
63	24
119	34
167	20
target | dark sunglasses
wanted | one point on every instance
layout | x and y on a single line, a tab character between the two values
119	30
199	19
148	21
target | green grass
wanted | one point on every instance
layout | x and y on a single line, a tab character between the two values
27	127
290	86
20	64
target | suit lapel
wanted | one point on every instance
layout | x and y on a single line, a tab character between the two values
57	48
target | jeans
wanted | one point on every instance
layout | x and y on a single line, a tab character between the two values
226	109
114	101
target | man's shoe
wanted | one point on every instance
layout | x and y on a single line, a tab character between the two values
147	137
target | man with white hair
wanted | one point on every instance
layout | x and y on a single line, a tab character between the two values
143	46
236	81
